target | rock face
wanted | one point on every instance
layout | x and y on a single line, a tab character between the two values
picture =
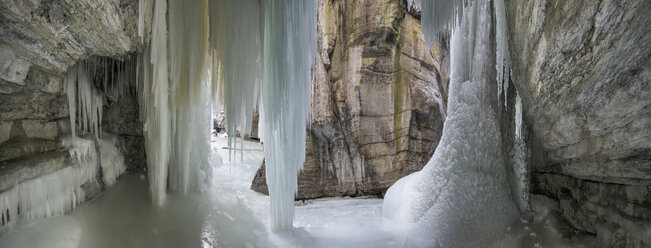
54	34
121	117
583	71
38	41
378	100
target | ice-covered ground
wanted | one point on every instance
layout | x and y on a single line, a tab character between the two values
229	214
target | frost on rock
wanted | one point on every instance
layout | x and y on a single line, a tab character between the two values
461	198
84	100
235	39
56	193
175	93
520	153
61	191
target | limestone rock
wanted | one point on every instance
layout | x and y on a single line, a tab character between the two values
37	105
24	147
14	172
378	103
53	34
40	129
583	71
12	68
5	130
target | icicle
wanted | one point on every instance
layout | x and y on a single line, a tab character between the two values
155	106
289	48
141	20
84	100
437	15
521	186
502	60
237	52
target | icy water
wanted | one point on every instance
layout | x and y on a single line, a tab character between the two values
229	214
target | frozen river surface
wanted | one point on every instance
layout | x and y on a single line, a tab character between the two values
229	214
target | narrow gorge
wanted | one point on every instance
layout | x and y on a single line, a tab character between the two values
325	123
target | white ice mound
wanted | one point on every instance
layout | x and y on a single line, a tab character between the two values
112	159
461	197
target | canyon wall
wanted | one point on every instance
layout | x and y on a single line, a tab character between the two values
39	40
378	100
582	69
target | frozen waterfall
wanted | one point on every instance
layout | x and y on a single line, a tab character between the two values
197	56
461	198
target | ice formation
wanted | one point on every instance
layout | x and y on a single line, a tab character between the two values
84	100
190	93
461	198
437	15
56	193
236	42
288	49
60	191
520	155
112	160
217	50
155	106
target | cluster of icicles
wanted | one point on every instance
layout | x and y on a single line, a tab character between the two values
240	53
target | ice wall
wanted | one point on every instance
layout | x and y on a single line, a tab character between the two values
461	198
111	158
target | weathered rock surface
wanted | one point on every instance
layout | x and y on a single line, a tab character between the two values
39	40
18	170
121	118
23	147
583	71
378	103
54	34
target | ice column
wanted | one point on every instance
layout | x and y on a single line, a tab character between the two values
289	47
155	106
461	198
190	85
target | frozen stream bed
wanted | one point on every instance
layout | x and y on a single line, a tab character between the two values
229	214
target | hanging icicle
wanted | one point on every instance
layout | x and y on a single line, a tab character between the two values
289	49
230	70
237	55
155	106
